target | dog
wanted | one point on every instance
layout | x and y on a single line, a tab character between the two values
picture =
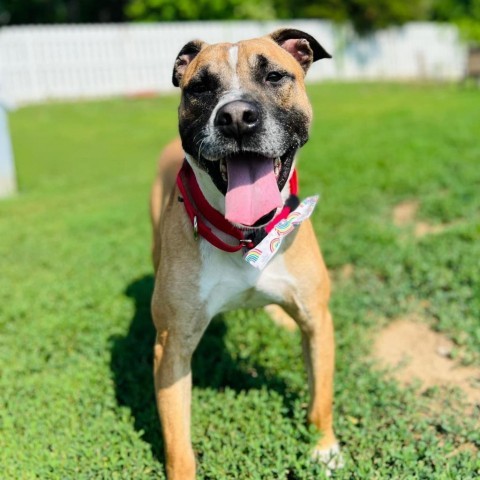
243	115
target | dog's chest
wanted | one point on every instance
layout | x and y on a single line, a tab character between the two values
228	282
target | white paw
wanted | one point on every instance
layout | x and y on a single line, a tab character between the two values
331	457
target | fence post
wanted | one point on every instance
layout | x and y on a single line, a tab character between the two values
8	184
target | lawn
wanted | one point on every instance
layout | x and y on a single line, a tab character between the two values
76	393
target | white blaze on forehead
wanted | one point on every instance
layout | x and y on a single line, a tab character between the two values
233	61
233	93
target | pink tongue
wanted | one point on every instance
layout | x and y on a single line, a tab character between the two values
252	190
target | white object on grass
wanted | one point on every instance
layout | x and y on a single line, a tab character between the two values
8	183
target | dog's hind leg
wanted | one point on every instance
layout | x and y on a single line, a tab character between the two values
173	351
168	168
280	317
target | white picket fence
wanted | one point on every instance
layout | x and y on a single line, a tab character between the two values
38	63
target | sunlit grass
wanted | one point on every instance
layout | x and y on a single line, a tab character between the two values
76	392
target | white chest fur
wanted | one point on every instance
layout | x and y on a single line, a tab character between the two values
228	282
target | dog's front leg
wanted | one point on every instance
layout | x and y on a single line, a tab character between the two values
318	351
307	304
175	343
315	322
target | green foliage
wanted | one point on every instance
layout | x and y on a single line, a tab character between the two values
14	12
465	13
365	15
167	10
76	390
470	29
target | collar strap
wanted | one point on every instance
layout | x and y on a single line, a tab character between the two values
199	211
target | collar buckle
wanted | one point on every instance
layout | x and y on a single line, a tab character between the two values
246	243
195	228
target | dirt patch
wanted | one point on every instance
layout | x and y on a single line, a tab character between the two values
404	213
424	228
416	352
347	271
343	273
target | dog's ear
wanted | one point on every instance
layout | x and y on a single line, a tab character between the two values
304	48
184	57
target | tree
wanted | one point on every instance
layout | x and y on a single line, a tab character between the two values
167	10
20	12
465	13
366	15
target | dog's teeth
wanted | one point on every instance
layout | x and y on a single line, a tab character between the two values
277	166
223	169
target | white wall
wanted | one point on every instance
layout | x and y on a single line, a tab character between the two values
39	63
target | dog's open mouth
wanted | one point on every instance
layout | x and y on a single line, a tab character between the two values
251	183
277	165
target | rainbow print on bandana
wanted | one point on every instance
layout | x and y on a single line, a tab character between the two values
259	256
275	244
253	255
295	218
284	227
311	201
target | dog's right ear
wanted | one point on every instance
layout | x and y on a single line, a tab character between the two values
185	56
302	46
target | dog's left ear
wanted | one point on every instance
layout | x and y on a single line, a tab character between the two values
184	58
301	45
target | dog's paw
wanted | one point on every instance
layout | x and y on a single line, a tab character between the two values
331	457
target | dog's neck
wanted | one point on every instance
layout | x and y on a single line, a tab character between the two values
211	193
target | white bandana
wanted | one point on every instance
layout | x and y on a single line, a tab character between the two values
259	256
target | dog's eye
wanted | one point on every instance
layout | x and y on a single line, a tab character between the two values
274	77
197	88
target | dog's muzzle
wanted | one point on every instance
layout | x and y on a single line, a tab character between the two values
237	119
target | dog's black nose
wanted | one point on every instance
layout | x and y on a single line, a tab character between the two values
237	118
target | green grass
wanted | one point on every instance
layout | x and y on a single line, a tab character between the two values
76	393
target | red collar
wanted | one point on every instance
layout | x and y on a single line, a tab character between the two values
199	210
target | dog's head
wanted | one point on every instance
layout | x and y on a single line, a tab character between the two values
243	115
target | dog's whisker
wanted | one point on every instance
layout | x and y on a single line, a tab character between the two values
200	147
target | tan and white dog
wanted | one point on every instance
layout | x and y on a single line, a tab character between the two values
244	114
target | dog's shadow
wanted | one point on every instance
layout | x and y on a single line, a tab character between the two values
212	365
